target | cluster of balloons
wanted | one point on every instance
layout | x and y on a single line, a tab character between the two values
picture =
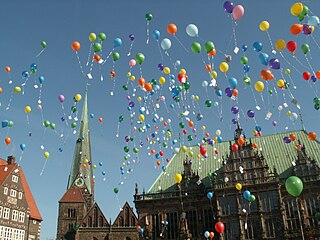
236	11
248	196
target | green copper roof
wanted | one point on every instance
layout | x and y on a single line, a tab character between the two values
275	151
82	152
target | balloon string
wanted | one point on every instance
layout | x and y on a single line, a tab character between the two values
23	84
89	54
118	129
147	32
108	56
159	49
114	80
270	41
64	114
290	63
299	216
81	68
10	100
40	52
315	41
180	43
291	80
313	72
295	57
90	70
254	97
234	34
44	166
131	45
21	155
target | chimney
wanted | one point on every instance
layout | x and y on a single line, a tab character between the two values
11	160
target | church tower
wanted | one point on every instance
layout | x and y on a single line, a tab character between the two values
79	196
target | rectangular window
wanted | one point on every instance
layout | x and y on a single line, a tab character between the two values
14	215
15	178
5	191
6	213
21	217
20	195
13	193
1	209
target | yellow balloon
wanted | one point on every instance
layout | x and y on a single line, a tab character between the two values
215	139
133	78
289	113
214	74
92	37
196	98
139	99
129	74
224	67
312	28
288	71
94	166
183	71
184	149
141	117
123	164
203	128
280	44
46	154
191	154
27	109
17	89
169	134
178	178
259	86
162	80
238	186
264	26
296	8
166	70
254	132
77	97
280	83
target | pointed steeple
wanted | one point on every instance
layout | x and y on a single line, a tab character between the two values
81	173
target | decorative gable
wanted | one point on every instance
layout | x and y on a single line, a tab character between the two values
95	218
126	217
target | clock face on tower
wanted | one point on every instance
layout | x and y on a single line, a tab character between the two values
79	182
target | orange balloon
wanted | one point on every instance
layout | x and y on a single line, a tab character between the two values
0	90
100	119
255	145
318	74
266	74
212	53
75	46
208	67
241	141
165	124
153	151
96	58
148	87
172	28
7	140
7	69
207	134
296	29
271	77
235	92
292	137
141	81
158	163
190	124
112	74
211	235
312	136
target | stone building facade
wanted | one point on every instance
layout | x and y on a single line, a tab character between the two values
261	165
80	216
20	218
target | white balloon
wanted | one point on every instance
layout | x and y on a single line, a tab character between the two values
192	30
218	132
280	108
166	44
176	150
206	234
204	84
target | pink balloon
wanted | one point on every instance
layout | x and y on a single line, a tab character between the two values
61	98
237	12
39	107
132	62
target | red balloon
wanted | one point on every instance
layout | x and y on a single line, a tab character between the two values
291	46
182	78
306	76
184	131
203	151
216	151
161	153
219	227
235	147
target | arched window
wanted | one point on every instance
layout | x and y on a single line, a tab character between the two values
95	217
133	222
100	221
127	215
89	221
121	223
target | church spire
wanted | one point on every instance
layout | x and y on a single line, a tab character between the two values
81	173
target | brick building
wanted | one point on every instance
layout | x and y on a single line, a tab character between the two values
183	211
80	216
20	218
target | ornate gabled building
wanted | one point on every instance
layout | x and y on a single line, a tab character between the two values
80	216
20	218
261	165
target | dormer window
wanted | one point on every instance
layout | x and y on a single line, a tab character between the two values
15	178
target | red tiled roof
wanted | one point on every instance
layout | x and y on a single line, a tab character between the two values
73	194
5	171
34	211
3	162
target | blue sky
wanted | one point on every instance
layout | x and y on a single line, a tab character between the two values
25	24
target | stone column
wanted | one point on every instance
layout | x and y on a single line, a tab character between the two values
240	219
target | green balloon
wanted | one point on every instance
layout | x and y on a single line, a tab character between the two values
244	60
294	186
115	56
43	44
154	82
270	92
140	129
125	157
316	100
305	10
300	17
126	149
164	144
131	139
317	106
97	47
209	46
115	190
305	48
190	138
46	123
10	123
196	47
140	58
73	109
125	87
76	227
73	125
148	16
177	99
247	80
252	198
52	126
208	103
181	125
135	150
186	85
102	36
121	118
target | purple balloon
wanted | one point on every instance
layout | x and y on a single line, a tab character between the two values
160	66
287	140
228	92
127	138
131	37
228	6
274	123
274	63
131	104
306	29
313	78
234	121
234	109
250	113
61	98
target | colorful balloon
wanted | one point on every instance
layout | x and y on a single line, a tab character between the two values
237	12
192	30
294	186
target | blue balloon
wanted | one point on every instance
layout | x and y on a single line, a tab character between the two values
5	123
258	128
163	168
228	92
233	83
22	147
157	155
257	46
91	115
33	67
148	125
313	21
209	195
25	74
141	230
117	42
246	195
219	139
103	173
244	47
264	58
41	79
171	105
156	34
175	92
60	149
100	164
246	68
